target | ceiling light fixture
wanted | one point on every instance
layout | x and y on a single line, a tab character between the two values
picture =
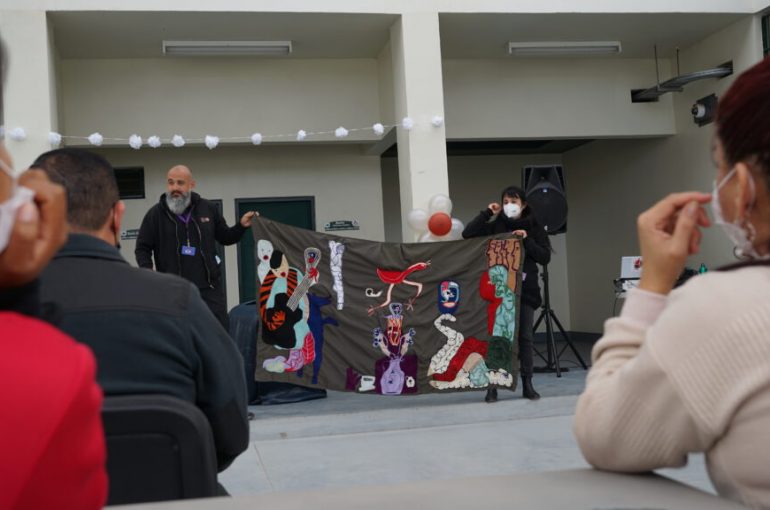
225	48
563	48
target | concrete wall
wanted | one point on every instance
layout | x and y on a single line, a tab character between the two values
552	98
474	182
612	181
325	172
223	97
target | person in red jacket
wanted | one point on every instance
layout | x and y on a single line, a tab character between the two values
52	452
51	437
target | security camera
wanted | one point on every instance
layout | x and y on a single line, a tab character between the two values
698	111
703	110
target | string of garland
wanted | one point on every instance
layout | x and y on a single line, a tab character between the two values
135	141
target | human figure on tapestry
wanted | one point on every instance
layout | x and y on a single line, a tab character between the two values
396	373
316	322
515	216
284	310
470	362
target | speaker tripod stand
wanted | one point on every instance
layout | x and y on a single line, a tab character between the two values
547	314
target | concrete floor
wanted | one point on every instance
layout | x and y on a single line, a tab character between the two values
351	439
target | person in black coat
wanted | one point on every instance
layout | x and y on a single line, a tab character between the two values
516	217
180	231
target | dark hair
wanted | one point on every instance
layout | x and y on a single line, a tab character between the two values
743	119
89	179
517	192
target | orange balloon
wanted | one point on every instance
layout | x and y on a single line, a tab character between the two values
440	224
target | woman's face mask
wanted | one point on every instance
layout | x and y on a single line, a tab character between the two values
742	244
512	210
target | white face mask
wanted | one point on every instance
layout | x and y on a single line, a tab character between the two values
512	210
10	207
743	246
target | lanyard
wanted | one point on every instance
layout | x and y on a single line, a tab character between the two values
186	220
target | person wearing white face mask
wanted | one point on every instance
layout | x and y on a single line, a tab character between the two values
688	370
51	437
515	216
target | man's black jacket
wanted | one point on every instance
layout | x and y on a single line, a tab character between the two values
151	334
161	237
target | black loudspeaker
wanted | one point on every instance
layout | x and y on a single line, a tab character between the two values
545	194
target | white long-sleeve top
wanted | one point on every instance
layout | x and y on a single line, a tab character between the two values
686	373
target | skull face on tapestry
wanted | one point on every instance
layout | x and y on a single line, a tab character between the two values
386	318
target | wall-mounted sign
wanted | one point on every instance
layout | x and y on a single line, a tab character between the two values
129	234
341	225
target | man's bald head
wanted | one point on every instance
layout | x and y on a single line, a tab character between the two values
179	185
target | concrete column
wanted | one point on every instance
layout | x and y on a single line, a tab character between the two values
418	94
30	87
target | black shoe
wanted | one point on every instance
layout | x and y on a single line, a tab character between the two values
527	391
491	395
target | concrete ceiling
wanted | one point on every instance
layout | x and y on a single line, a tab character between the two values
337	35
140	34
487	35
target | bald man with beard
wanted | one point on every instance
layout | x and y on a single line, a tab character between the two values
179	234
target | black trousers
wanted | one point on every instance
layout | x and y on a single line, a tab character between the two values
217	303
526	337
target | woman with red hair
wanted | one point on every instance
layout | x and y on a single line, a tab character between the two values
688	370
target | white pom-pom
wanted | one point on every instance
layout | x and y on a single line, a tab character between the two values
154	141
135	142
96	139
54	139
437	121
177	141
301	135
211	141
407	123
341	132
17	134
378	129
256	138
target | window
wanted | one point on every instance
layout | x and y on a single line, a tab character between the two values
766	34
130	182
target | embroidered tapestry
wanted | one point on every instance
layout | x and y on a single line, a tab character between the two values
386	318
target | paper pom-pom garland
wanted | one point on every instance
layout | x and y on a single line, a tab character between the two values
17	134
211	141
135	142
96	139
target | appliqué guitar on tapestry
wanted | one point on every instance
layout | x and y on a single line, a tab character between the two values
386	318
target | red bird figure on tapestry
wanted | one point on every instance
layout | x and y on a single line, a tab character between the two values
395	277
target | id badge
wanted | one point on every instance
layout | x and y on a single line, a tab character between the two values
188	250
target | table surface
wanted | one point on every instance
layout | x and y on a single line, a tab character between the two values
579	489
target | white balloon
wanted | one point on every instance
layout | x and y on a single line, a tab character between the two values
440	203
418	219
457	229
427	237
